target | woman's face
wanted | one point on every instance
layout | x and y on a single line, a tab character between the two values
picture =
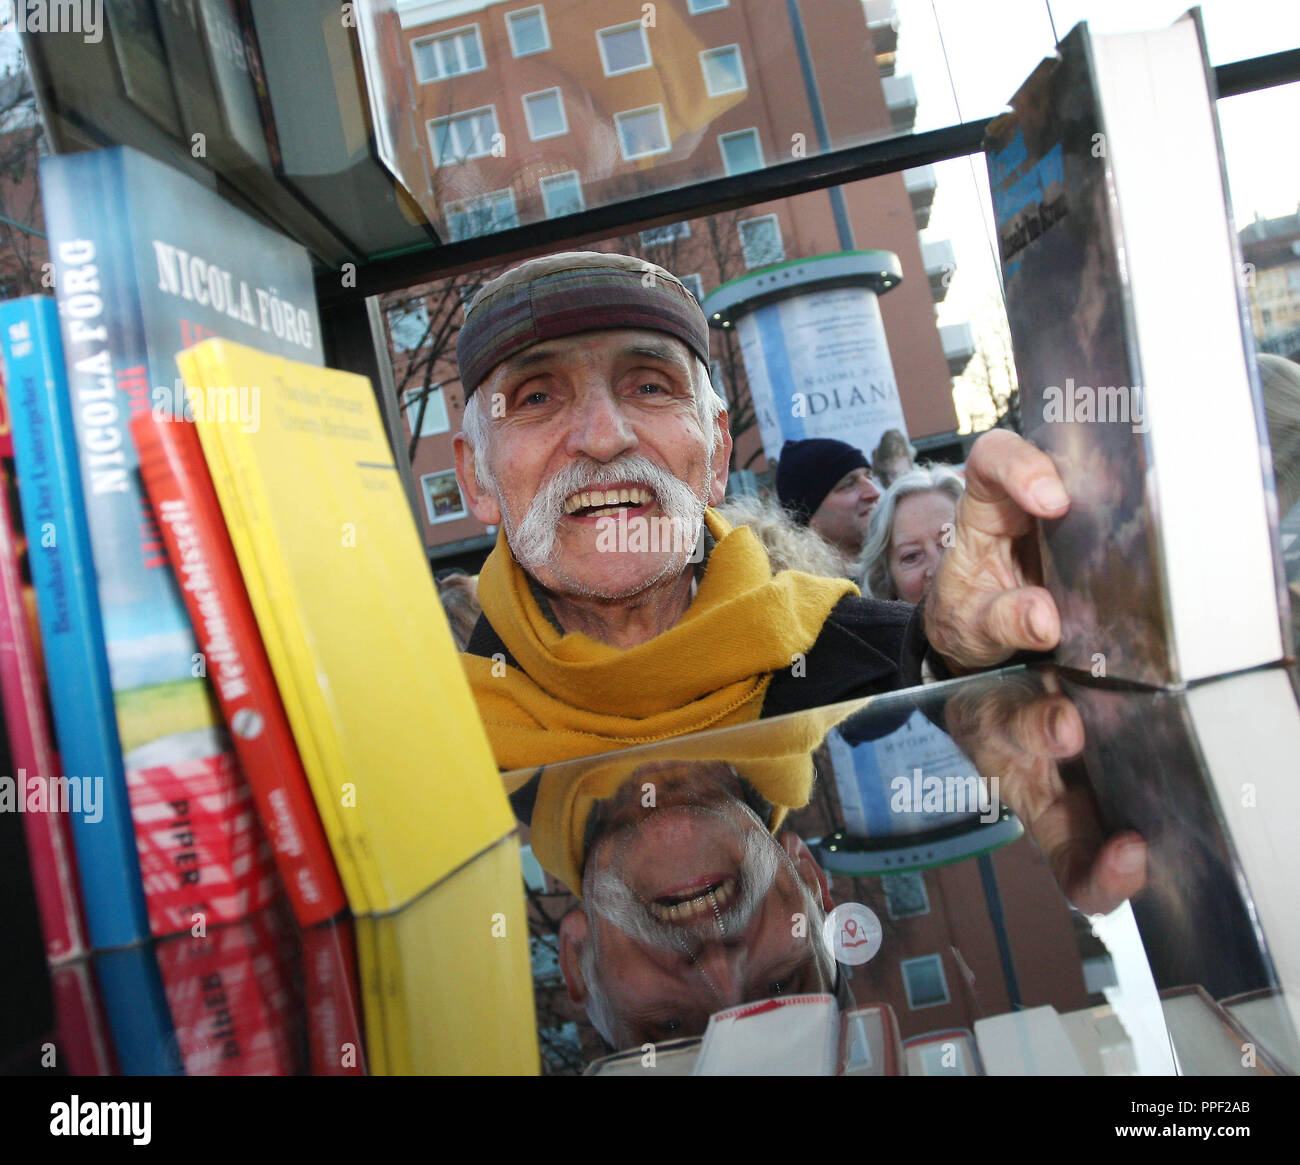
923	524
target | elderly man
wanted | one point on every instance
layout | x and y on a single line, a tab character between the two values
618	609
827	485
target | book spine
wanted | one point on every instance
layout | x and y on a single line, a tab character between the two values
80	1034
135	1006
76	661
333	1000
39	795
189	516
201	851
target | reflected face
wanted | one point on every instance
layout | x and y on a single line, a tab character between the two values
921	522
844	513
691	907
601	467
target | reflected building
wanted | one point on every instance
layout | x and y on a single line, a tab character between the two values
520	113
1270	247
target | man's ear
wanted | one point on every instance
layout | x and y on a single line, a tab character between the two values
574	931
721	462
482	502
809	869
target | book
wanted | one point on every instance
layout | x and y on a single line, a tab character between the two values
76	660
670	1058
135	1005
869	1042
1032	1042
385	724
81	1042
189	518
1111	204
950	1052
1208	1040
34	785
148	261
332	999
795	1035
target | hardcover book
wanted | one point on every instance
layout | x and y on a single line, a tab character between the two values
76	662
148	261
1136	366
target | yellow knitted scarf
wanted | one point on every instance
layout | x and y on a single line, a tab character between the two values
571	696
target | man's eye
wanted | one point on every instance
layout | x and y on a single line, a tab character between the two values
669	1026
779	986
649	387
535	398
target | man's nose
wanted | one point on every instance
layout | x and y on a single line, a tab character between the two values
600	430
720	966
870	490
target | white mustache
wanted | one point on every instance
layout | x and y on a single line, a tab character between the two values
534	541
614	900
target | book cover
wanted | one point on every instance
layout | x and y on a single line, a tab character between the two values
189	517
332	999
229	999
139	1022
76	662
148	261
81	1043
34	787
385	723
1105	171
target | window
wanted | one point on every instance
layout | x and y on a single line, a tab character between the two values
463	135
694	285
544	111
435	410
407	326
698	6
490	212
642	132
905	895
442	497
624	48
724	71
658	236
528	32
740	151
562	194
760	241
923	978
448	55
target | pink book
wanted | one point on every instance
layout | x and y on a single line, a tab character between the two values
35	788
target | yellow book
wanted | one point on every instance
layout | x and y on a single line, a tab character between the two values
457	975
372	1001
374	689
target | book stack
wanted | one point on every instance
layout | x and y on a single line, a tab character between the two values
255	694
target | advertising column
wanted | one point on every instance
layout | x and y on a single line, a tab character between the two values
814	347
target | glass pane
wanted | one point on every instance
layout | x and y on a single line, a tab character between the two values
723	71
528	32
562	194
641	132
624	49
545	115
741	152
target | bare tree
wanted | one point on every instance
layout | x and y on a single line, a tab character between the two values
23	248
991	372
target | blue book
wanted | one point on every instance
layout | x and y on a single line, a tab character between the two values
148	262
135	1004
63	573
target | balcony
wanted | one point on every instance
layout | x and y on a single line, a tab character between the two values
900	100
958	346
940	265
921	183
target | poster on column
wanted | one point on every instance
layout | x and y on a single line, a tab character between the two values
818	366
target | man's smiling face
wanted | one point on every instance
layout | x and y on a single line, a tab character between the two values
590	429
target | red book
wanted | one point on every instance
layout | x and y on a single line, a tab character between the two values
189	516
333	1001
36	788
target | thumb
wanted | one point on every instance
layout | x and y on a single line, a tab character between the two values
1022	619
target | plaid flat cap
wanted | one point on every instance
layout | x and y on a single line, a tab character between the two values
562	295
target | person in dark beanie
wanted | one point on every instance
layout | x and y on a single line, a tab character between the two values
827	485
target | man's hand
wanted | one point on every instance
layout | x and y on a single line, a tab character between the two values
1016	734
985	604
